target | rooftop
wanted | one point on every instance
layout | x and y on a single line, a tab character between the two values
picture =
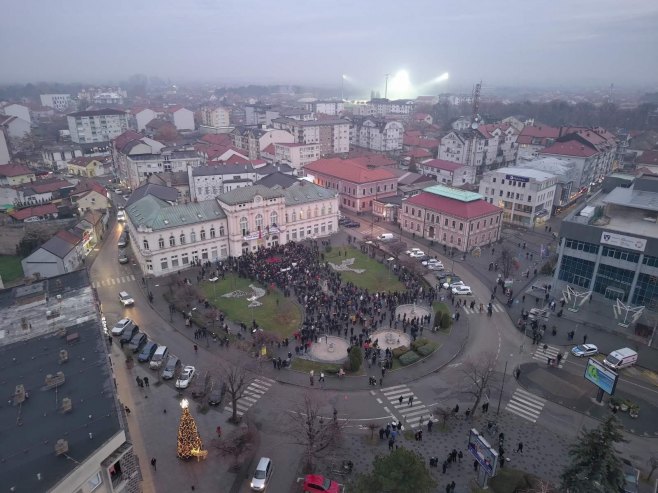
453	193
569	148
226	169
245	195
277	179
11	170
31	317
442	164
39	210
348	170
162	192
304	191
101	112
312	123
525	173
155	214
454	207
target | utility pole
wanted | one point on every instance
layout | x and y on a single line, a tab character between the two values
386	86
500	397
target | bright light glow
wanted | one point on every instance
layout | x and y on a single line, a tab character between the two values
426	86
442	78
184	403
399	86
344	76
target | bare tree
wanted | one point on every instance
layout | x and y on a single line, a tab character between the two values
310	429
397	248
237	380
444	414
372	427
478	375
237	444
506	262
540	486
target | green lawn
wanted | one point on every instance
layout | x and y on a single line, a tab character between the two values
282	319
376	277
10	268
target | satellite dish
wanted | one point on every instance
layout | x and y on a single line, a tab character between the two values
474	125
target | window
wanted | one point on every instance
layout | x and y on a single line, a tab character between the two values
172	241
94	481
204	253
294	215
259	221
202	234
243	225
185	258
193	236
221	231
161	242
146	244
164	265
529	198
316	211
212	233
274	218
182	238
174	261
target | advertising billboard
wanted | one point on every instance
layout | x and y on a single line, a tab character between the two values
602	377
623	241
483	452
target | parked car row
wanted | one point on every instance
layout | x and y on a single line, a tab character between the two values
348	223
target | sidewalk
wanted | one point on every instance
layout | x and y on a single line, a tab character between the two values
451	345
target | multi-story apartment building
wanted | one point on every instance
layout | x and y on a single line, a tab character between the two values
256	114
97	126
140	117
384	107
58	101
377	134
462	147
181	117
296	155
207	182
327	107
253	140
533	138
215	116
136	157
333	134
610	245
357	185
18	110
456	218
447	172
525	195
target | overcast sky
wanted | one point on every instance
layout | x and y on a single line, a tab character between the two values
511	42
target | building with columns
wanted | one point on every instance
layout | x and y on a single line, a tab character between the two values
453	217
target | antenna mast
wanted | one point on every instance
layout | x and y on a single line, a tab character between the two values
475	117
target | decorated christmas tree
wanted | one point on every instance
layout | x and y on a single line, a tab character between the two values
189	441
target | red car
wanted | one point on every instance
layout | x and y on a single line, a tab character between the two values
314	483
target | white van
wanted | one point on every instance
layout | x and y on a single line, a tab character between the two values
620	358
159	357
386	237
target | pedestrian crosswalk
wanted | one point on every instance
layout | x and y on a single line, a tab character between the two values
496	307
254	391
113	281
413	415
550	352
526	405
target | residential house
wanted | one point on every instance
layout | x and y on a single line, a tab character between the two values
89	166
177	180
256	114
215	116
35	214
333	134
160	192
422	118
158	127
59	255
181	117
18	110
447	172
253	140
42	191
461	124
326	107
533	139
89	195
14	127
525	195
463	147
377	134
207	182
357	185
455	218
96	126
140	117
15	174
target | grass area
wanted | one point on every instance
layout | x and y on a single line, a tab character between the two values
376	277
10	268
277	314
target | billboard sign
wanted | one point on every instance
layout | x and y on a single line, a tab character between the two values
483	452
602	377
523	179
623	241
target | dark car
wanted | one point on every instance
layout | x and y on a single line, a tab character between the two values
353	224
137	342
147	352
443	275
171	368
217	393
128	334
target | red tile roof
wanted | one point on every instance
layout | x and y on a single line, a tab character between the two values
452	207
486	130
418	152
377	160
542	132
269	149
11	170
442	164
125	138
48	186
236	159
68	237
420	141
219	139
420	116
85	186
349	170
569	148
39	210
648	157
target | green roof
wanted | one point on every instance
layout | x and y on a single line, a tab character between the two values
151	212
453	193
305	191
245	195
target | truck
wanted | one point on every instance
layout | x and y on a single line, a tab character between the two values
620	358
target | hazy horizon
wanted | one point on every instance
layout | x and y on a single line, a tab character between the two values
518	44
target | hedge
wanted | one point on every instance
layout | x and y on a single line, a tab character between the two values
419	343
399	351
408	358
427	349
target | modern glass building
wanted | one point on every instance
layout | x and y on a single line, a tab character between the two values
610	245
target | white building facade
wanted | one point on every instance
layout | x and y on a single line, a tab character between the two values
525	195
377	134
207	182
58	101
215	116
296	155
97	126
333	135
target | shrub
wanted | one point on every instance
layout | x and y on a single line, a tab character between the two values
332	370
408	358
399	351
356	358
426	350
327	248
437	318
419	343
446	321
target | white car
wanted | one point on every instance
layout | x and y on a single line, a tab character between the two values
121	326
412	250
462	290
126	299
121	216
585	350
417	254
185	377
433	264
453	284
